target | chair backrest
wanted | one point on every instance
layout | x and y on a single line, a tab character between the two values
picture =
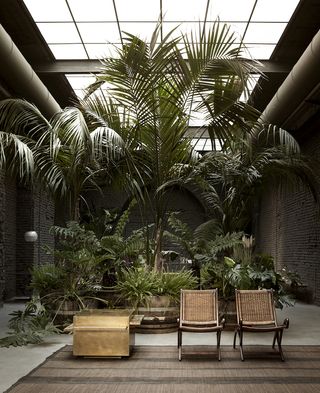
199	307
255	307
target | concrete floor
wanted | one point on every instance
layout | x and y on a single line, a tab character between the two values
304	329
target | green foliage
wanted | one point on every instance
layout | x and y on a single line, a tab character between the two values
170	284
159	86
233	179
76	237
46	278
137	285
227	275
227	261
205	242
29	326
82	259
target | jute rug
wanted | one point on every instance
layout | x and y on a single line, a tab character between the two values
157	370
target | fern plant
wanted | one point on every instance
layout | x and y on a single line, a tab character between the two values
29	326
136	285
205	240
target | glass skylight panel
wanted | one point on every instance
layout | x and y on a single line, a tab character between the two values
79	93
204	144
142	30
264	33
260	52
237	28
252	82
58	33
183	28
138	10
96	33
184	10
96	21
68	51
230	10
100	51
274	10
80	81
198	143
93	10
49	11
197	118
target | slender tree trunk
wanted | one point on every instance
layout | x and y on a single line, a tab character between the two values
74	207
157	254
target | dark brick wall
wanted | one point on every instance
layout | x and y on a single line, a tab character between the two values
35	212
10	237
43	218
22	210
2	233
25	252
289	225
191	209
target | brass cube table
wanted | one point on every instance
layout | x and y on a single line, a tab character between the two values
102	333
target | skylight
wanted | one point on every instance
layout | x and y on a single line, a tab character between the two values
96	24
82	29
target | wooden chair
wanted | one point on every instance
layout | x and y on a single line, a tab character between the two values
199	313
256	313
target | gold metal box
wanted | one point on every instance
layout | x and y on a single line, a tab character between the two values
102	333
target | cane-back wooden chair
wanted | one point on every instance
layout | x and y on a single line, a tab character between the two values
199	313
256	313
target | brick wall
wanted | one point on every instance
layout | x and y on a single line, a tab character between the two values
43	218
2	232
192	210
10	237
21	210
35	212
289	225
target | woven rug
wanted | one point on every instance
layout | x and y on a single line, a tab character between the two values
157	370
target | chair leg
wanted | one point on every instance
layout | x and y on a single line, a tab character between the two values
274	339
240	344
279	340
218	344
235	338
179	344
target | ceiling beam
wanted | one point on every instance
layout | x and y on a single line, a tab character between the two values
94	66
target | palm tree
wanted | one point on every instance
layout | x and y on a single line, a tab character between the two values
61	154
158	88
236	177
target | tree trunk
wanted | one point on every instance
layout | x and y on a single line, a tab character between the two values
158	263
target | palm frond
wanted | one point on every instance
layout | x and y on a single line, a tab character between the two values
16	155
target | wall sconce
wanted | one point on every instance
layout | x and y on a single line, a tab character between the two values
31	236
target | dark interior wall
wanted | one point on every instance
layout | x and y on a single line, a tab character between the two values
43	219
2	237
289	223
191	209
21	210
9	213
35	212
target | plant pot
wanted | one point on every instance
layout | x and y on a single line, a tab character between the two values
159	317
227	310
70	307
162	301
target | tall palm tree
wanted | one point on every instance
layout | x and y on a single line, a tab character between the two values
236	176
61	154
158	87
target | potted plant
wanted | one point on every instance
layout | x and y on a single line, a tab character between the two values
154	295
